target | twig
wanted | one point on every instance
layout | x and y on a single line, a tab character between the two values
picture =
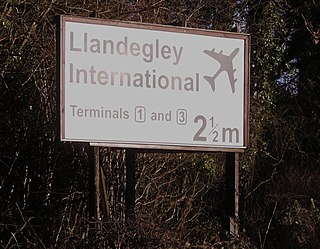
18	231
269	224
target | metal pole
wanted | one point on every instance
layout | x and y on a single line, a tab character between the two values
231	223
130	184
97	181
234	221
94	194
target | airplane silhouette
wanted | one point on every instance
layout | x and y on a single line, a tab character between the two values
225	65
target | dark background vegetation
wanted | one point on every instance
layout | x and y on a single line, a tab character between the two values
44	183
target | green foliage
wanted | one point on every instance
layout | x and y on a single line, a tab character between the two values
285	126
268	49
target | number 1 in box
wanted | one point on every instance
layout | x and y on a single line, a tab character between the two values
140	114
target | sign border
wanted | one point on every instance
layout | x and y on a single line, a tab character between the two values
60	78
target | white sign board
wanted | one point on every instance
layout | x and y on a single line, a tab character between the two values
147	86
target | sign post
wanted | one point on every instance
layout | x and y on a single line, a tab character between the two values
231	219
130	184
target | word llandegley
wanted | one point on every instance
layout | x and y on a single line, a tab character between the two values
148	51
148	79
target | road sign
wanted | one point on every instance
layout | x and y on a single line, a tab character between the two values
151	86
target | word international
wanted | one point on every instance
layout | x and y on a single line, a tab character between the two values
147	79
